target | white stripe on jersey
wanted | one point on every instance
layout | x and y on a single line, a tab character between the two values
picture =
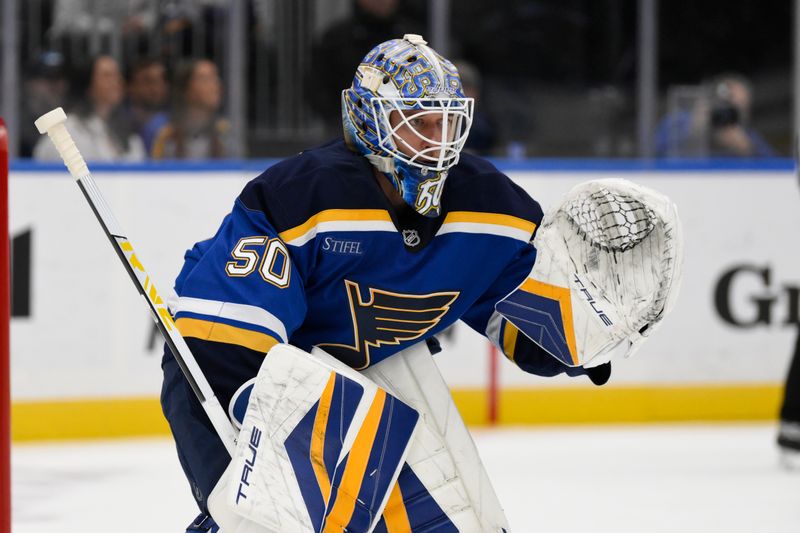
249	314
490	229
342	225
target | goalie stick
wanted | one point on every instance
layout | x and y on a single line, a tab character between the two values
53	124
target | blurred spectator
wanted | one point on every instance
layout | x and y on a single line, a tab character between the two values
192	27
119	26
482	133
85	16
128	29
148	92
195	129
338	52
731	100
96	119
716	125
45	88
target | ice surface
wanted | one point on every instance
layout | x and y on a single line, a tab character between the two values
662	478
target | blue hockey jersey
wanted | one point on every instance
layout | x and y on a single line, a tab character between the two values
314	254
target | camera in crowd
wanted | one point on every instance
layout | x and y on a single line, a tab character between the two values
724	109
724	114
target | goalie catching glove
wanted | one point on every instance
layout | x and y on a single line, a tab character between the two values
607	272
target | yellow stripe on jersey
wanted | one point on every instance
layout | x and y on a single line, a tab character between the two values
562	296
394	514
318	439
510	332
335	215
475	217
356	467
217	332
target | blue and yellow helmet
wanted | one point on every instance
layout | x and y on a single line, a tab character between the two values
407	113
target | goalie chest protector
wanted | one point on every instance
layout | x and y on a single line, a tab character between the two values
313	254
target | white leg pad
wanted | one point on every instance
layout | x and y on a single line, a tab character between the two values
320	445
443	455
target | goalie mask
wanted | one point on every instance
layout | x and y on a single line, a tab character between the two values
607	271
407	113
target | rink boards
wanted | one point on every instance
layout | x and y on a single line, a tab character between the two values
85	355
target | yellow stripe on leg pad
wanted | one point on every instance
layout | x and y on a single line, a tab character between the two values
318	438
356	466
394	514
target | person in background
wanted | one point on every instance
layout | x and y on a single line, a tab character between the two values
121	27
482	136
717	126
45	88
195	130
337	52
191	27
148	92
96	119
731	133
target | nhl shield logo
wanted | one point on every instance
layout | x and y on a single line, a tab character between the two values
411	237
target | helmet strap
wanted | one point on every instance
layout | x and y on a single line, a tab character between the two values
382	163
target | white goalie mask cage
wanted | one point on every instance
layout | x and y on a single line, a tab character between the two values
607	272
438	152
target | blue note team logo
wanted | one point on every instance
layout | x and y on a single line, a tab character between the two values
387	318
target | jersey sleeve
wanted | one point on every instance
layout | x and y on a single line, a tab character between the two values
239	293
518	348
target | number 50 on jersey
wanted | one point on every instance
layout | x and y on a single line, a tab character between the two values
267	255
